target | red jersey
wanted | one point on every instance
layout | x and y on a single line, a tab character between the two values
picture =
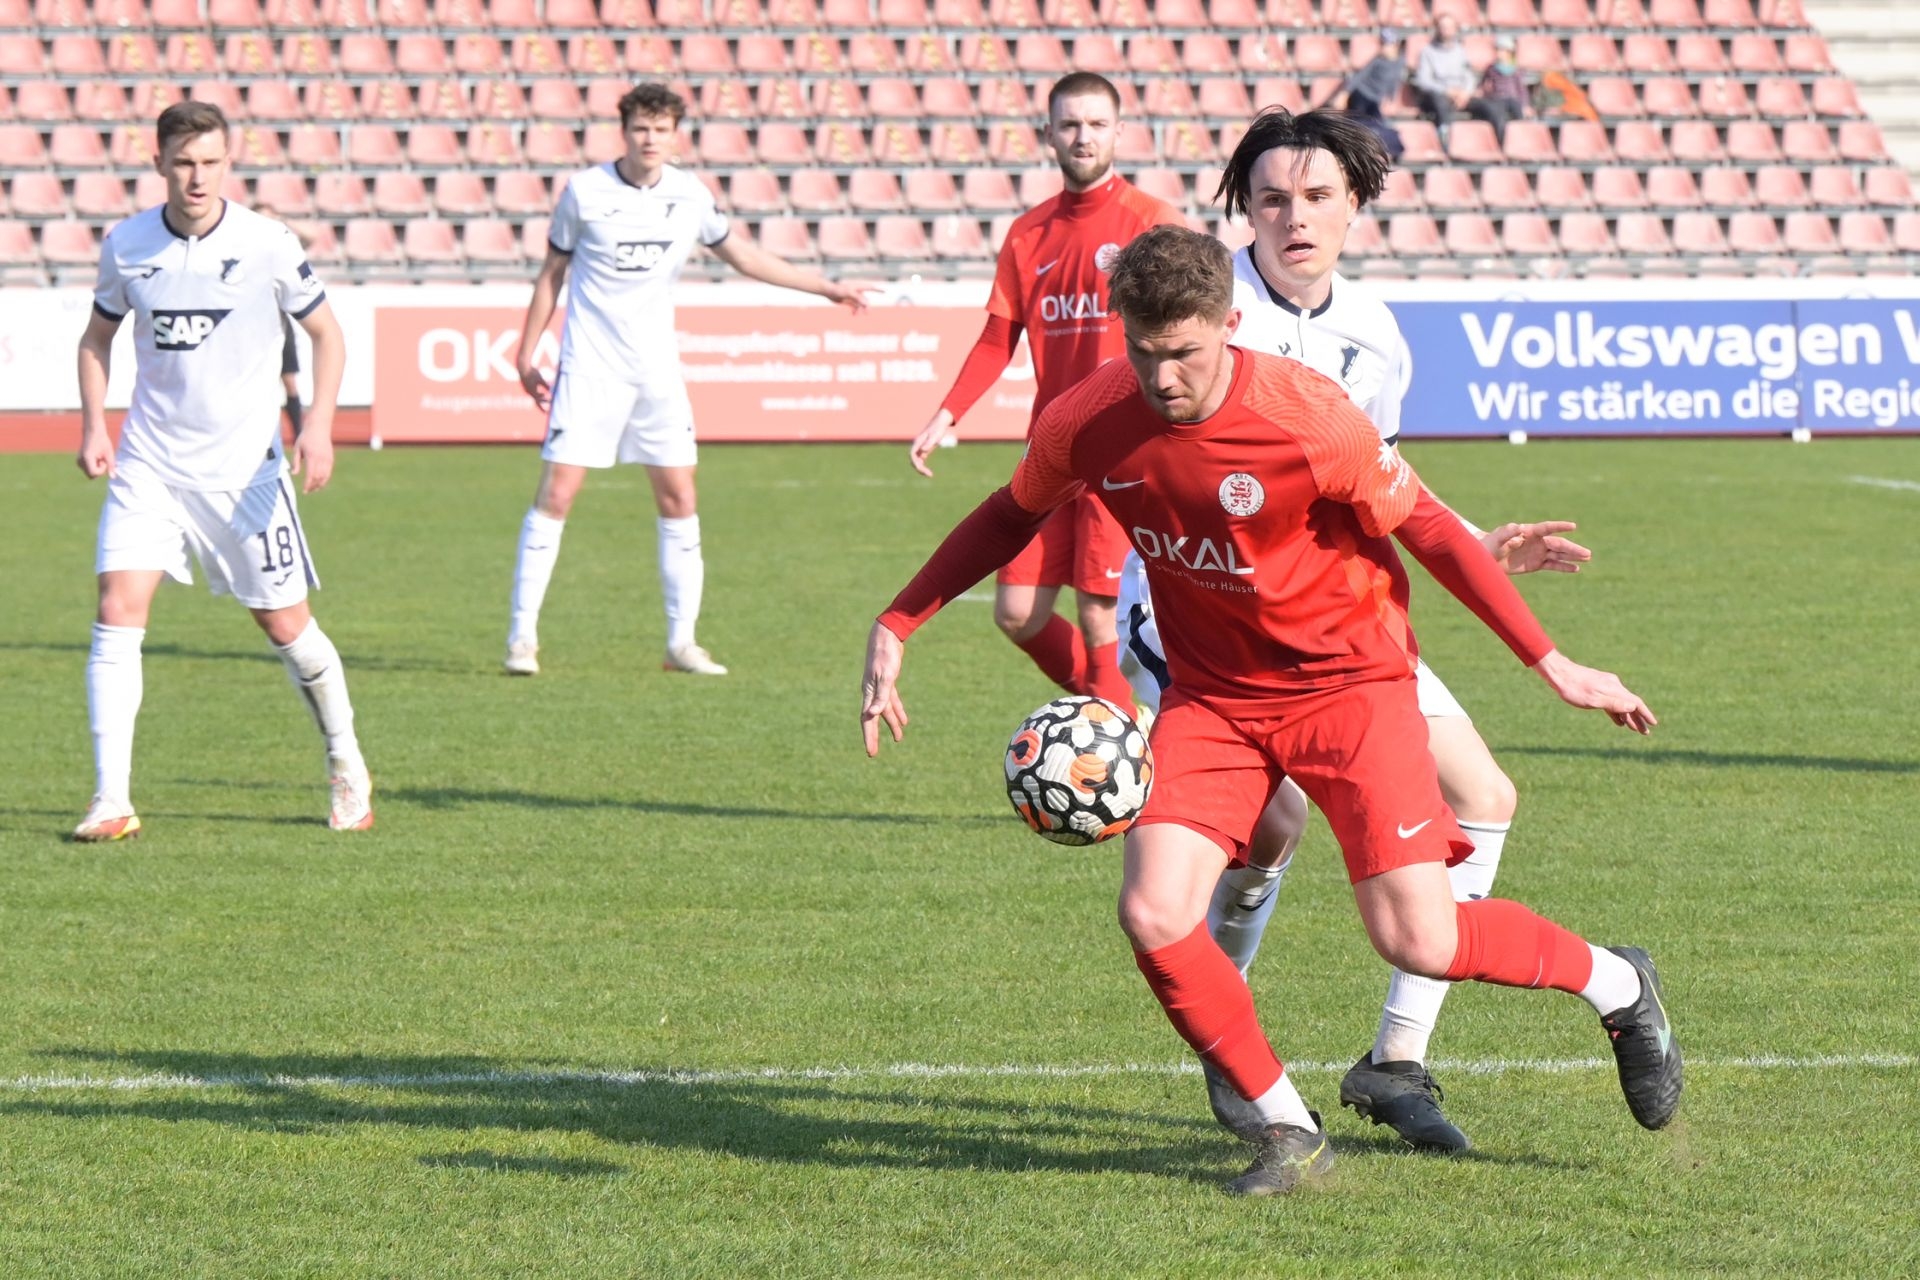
1263	528
1051	278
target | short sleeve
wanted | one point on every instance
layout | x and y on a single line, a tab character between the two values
1005	300
295	288
563	232
714	226
1385	406
110	290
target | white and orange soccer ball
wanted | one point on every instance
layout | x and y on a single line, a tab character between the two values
1079	770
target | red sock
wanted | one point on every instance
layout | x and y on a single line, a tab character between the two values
1103	678
1059	652
1505	943
1208	1003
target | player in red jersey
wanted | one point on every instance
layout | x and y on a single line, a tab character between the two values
1261	500
1051	282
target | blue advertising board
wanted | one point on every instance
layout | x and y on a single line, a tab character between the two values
1669	366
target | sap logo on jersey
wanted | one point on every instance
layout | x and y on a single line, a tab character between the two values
184	330
639	255
1072	306
1203	554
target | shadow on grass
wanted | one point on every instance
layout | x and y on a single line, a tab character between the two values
1722	759
355	661
852	1122
466	798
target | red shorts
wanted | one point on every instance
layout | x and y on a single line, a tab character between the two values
1080	546
1359	752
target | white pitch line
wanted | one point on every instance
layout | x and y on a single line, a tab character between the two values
157	1083
1908	486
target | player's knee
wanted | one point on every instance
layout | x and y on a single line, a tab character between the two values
1150	922
1489	796
1015	622
1425	953
119	611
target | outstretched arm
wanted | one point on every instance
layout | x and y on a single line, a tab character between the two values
1529	548
755	263
1460	564
985	540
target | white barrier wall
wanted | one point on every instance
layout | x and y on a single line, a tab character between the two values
1614	357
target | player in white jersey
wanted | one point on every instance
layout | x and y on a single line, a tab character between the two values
625	229
1302	180
199	467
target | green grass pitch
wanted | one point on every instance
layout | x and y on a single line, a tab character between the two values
646	975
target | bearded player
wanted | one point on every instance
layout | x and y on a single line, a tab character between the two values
1051	283
1262	501
1301	180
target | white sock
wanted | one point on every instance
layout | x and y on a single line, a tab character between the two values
1237	929
532	571
1615	984
1283	1104
1413	1003
313	664
114	689
683	574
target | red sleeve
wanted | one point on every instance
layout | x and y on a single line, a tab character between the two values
992	352
1459	563
984	541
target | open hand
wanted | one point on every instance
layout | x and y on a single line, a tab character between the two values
1596	690
879	694
1527	548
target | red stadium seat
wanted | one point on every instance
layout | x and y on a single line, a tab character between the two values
956	144
1698	142
1163	184
1400	193
940	97
906	15
22	56
386	100
1005	96
1414	235
1039	185
1807	54
518	193
1673	187
1167	97
1756	54
762	55
1125	15
1864	233
1364	238
1284	91
491	146
1753	142
1207	55
43	100
149	190
838	99
1809	233
754	191
555	98
399	194
1263	55
815	191
988	191
369	146
1586	235
77	56
1834	187
848	14
513	15
341	195
1700	55
676	13
1558	187
1889	187
1618	187
431	242
1780	98
1319	55
1473	142
1906	232
1669	98
1753	233
1808	142
1472	235
1647	55
132	147
106	102
989	54
1724	98
1013	144
1643	235
77	146
176	14
37	194
706	55
837	143
553	146
1620	13
1780	187
729	99
18	253
274	100
1616	97
1422	142
1589	54
1835	96
1730	13
478	54
371	242
251	54
285	193
898	238
1699	234
931	191
489	241
1860	141
1528	140
789	238
1581	141
927	55
461	195
1726	187
958	239
1507	189
69	243
897	144
1447	189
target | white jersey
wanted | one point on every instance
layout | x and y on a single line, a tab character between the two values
1351	337
206	386
628	244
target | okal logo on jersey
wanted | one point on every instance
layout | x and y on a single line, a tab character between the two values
639	255
1072	306
1201	554
184	330
1242	495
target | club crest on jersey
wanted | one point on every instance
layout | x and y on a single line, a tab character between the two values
1103	256
639	255
184	330
1242	495
230	272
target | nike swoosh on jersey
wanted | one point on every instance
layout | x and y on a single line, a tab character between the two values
1408	833
1114	573
1040	271
1106	482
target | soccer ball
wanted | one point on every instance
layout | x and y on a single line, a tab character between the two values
1079	770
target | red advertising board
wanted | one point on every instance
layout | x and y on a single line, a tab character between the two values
445	374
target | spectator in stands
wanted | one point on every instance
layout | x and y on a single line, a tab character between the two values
1376	83
1444	82
306	231
1503	89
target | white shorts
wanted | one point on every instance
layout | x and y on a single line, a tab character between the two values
597	422
248	541
1144	662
